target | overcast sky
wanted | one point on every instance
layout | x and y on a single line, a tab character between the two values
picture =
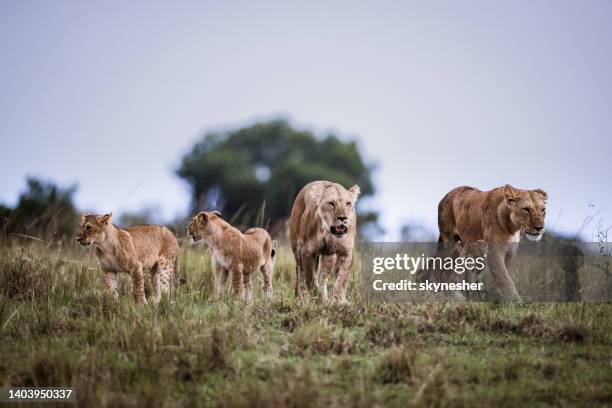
439	94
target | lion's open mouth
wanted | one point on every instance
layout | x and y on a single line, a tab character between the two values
533	236
339	229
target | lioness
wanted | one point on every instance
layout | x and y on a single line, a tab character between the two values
235	253
498	217
134	250
323	226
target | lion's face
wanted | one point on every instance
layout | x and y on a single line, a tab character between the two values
473	249
527	210
199	226
93	229
337	210
477	249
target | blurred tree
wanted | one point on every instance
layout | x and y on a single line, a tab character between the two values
44	210
5	212
261	168
145	216
416	232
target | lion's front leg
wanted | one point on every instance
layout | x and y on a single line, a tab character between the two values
110	280
328	264
298	274
219	279
310	264
504	285
343	271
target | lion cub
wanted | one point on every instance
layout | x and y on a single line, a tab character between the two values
150	248
475	250
235	253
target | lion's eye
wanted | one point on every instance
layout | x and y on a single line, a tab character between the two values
88	228
527	210
348	203
331	204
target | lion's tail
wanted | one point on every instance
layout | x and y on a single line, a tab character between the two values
273	250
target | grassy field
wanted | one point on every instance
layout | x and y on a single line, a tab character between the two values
57	327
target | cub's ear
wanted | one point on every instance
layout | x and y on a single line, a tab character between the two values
84	218
217	213
202	217
355	191
460	248
510	194
105	219
542	193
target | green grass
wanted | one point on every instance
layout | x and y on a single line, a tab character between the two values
58	328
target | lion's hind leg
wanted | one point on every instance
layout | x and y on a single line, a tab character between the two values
236	272
248	287
266	271
166	267
155	282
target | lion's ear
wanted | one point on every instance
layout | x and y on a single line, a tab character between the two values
217	213
105	219
202	217
542	193
510	194
84	217
355	191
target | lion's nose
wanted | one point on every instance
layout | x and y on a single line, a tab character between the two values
538	229
342	218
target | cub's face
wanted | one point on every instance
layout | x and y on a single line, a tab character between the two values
93	229
199	226
472	249
475	249
528	210
337	209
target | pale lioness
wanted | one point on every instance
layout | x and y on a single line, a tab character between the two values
235	254
323	226
499	217
135	250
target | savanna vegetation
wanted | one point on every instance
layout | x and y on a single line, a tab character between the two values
58	327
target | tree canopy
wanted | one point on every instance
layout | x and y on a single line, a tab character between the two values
263	167
44	210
